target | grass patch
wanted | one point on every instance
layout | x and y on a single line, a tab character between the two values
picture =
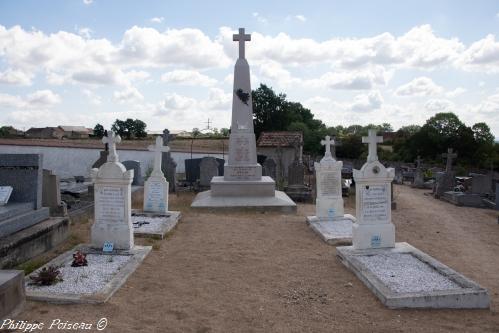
31	265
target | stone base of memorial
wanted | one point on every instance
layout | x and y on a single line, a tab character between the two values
95	283
257	195
404	277
12	294
336	231
154	225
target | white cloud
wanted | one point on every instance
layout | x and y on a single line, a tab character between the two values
217	100
85	32
38	100
439	105
367	102
88	2
157	19
260	18
421	86
456	92
188	77
178	102
300	18
128	95
93	98
354	80
482	55
15	77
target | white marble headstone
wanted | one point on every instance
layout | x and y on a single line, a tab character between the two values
373	228
156	186
113	203
5	192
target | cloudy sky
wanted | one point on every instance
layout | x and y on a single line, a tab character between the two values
170	63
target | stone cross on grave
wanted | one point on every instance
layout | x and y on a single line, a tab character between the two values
111	140
328	143
418	162
372	140
449	155
158	149
241	38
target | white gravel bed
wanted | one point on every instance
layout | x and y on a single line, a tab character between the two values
156	224
403	273
340	228
86	279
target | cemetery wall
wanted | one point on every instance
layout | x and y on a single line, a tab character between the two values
69	162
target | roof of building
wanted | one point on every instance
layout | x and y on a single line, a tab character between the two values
81	129
40	129
279	139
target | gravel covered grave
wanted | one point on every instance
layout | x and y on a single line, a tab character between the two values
403	273
153	224
340	228
86	279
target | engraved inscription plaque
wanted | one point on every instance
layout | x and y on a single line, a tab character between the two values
376	203
329	183
110	204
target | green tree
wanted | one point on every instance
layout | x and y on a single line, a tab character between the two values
196	132
99	130
139	129
119	127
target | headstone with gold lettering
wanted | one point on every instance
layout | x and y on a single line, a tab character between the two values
373	228
112	195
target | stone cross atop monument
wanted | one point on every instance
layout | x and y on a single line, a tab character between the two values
112	139
418	162
372	140
158	149
241	38
328	142
449	155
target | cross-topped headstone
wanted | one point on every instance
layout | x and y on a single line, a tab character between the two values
418	162
372	140
449	156
158	149
111	140
241	38
328	142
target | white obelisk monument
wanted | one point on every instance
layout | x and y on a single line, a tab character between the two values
242	184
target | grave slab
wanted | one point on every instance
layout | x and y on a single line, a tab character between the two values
279	202
102	286
12	293
334	232
156	225
405	277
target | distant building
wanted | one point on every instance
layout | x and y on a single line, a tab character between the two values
75	132
10	132
45	133
280	146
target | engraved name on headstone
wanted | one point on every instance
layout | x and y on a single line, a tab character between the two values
330	184
110	204
155	195
375	203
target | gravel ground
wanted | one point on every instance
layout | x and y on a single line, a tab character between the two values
86	279
247	272
403	273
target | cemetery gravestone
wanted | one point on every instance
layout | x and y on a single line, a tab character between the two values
242	177
51	196
418	174
156	186
208	168
373	228
270	168
168	165
137	172
446	181
112	193
5	192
